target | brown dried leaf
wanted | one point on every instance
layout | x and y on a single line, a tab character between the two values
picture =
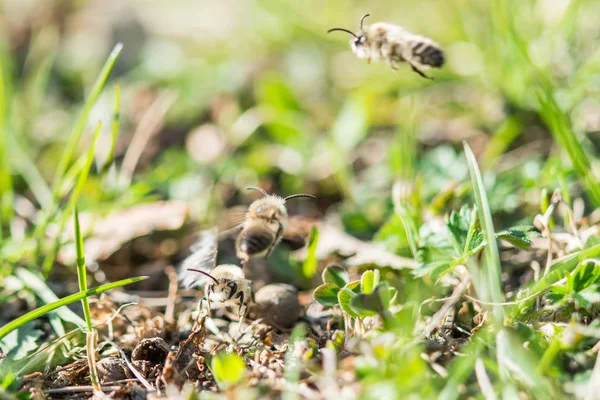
110	233
333	239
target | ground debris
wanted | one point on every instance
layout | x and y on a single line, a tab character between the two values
188	363
112	369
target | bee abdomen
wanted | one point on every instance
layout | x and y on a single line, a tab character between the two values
255	242
396	53
428	54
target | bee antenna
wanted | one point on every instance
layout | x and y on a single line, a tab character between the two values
343	30
362	19
204	273
299	195
258	189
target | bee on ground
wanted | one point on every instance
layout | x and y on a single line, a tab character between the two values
394	44
264	225
229	287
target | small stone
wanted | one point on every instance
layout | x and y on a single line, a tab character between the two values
278	304
112	369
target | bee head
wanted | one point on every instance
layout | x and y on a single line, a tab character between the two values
271	207
358	41
222	290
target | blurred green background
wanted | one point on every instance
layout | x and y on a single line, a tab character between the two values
218	95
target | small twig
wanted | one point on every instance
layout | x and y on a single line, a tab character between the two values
172	297
91	339
81	389
506	303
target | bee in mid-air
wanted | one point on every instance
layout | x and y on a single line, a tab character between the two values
264	225
229	287
394	44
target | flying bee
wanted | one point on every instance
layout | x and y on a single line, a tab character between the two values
394	44
264	225
229	287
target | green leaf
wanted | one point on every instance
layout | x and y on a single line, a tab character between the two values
327	294
584	275
376	302
345	296
309	268
366	305
38	312
20	342
519	236
369	280
386	293
558	270
228	369
464	234
335	275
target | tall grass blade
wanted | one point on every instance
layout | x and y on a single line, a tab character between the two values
72	143
38	312
490	284
49	261
82	120
564	135
116	121
6	185
81	270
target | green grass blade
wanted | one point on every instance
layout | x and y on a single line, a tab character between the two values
49	261
116	121
36	285
491	283
564	135
30	316
6	186
82	120
24	166
81	271
309	268
559	268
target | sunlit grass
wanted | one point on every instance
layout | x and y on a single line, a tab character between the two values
43	310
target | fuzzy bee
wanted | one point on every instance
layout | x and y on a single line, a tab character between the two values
394	44
264	225
229	287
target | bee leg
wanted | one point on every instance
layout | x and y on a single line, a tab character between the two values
207	298
241	315
421	73
240	296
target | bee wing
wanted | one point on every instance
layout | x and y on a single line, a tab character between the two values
235	217
398	33
203	257
297	233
